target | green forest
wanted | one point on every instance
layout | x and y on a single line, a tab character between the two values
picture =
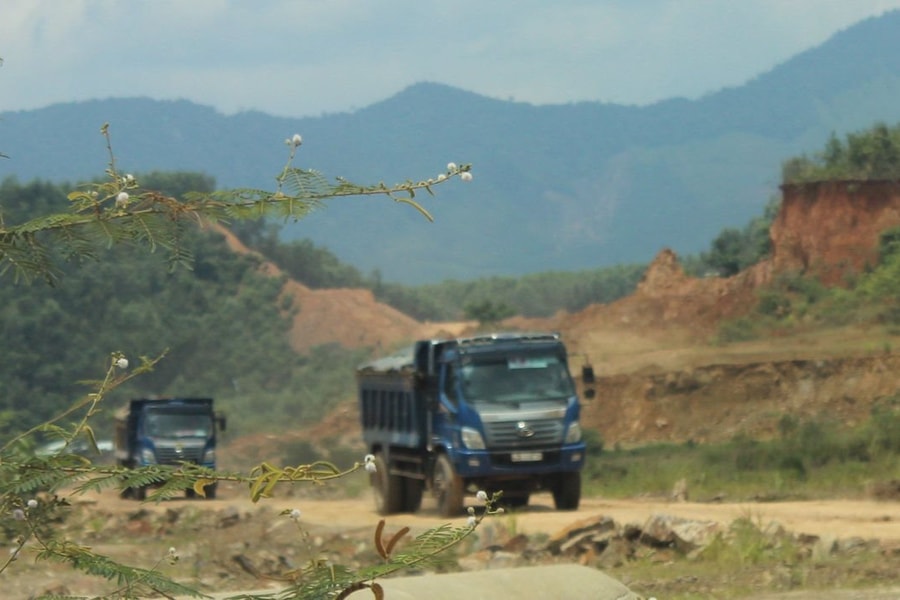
220	325
873	154
218	322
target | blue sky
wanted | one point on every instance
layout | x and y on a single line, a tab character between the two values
308	57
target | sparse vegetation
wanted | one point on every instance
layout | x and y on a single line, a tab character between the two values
809	459
873	154
115	212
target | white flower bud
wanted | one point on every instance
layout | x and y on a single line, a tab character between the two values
18	514
296	140
295	514
129	178
470	522
442	177
122	200
122	363
481	496
465	176
369	462
32	503
451	167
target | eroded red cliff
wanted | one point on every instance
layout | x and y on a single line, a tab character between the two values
832	229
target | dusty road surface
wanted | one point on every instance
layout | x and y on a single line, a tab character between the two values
837	518
117	529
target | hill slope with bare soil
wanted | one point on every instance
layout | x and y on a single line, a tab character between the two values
660	377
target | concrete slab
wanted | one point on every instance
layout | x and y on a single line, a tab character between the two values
547	582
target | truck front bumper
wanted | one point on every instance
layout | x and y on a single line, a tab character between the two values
519	463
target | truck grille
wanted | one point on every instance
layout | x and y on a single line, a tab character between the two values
170	455
524	434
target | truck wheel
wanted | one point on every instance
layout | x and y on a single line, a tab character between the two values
388	488
567	491
448	488
515	501
413	489
140	493
211	491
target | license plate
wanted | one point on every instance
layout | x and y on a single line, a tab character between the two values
527	456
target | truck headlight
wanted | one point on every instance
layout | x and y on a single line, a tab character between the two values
472	439
573	435
147	457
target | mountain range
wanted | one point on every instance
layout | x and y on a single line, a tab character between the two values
556	188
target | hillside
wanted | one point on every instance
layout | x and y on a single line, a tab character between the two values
565	187
659	375
349	317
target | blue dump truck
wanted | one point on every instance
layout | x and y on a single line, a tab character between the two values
167	431
495	412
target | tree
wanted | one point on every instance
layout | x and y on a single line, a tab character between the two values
733	250
487	312
873	154
119	211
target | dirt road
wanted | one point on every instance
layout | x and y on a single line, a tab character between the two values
117	528
837	518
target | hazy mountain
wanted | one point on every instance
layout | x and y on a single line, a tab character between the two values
563	187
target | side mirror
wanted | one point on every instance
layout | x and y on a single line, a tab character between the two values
587	375
220	419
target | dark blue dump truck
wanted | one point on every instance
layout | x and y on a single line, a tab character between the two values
495	412
167	431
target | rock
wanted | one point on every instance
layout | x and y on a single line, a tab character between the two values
594	531
824	547
504	560
774	529
618	552
228	517
517	543
247	565
686	535
854	545
548	582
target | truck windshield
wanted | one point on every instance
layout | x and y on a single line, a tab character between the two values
516	379
181	424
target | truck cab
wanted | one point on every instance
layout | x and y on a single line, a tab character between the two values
167	431
497	412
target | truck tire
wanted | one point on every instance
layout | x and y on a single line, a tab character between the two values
388	488
567	491
515	500
448	488
139	493
412	494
